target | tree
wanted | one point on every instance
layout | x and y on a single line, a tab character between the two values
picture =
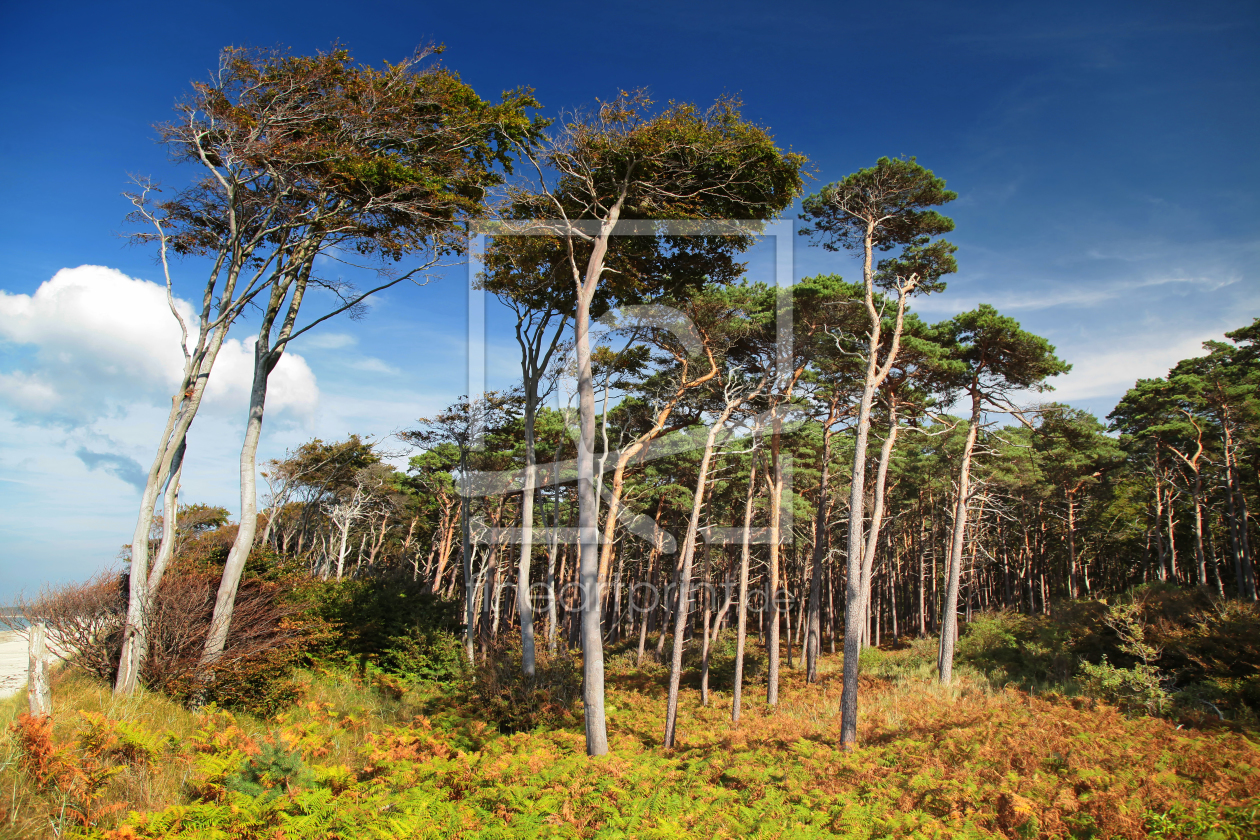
989	357
536	290
887	208
736	389
380	163
463	425
1225	382
629	162
1074	453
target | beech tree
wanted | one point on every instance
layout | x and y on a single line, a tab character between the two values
383	164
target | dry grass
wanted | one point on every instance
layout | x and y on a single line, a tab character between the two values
964	760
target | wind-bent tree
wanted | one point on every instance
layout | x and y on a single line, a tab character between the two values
886	208
988	358
242	252
628	161
380	163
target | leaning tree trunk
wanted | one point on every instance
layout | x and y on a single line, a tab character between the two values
266	357
170	521
949	612
741	632
225	599
183	409
684	581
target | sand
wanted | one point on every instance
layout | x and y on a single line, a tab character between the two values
14	659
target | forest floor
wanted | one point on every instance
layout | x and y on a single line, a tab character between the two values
368	758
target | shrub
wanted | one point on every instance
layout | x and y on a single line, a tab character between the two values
1155	648
265	641
83	618
266	774
1140	686
502	695
1026	650
393	622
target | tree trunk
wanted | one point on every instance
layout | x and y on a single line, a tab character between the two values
183	409
813	640
588	526
38	695
470	604
1199	554
875	375
170	521
877	507
949	611
265	360
1073	588
772	605
524	604
684	582
741	632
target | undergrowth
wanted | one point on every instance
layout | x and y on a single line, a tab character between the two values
362	757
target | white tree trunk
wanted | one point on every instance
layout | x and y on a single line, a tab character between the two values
949	611
38	694
741	632
588	541
184	408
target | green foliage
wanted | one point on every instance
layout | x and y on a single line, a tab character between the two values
504	696
1140	686
1158	649
274	768
262	685
394	623
1026	650
891	203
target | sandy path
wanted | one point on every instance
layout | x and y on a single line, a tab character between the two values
14	659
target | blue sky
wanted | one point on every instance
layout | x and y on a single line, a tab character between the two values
1104	154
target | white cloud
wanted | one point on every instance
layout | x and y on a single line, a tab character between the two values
291	387
1112	371
328	341
371	364
1067	295
92	341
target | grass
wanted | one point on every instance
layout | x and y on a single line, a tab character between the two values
368	758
